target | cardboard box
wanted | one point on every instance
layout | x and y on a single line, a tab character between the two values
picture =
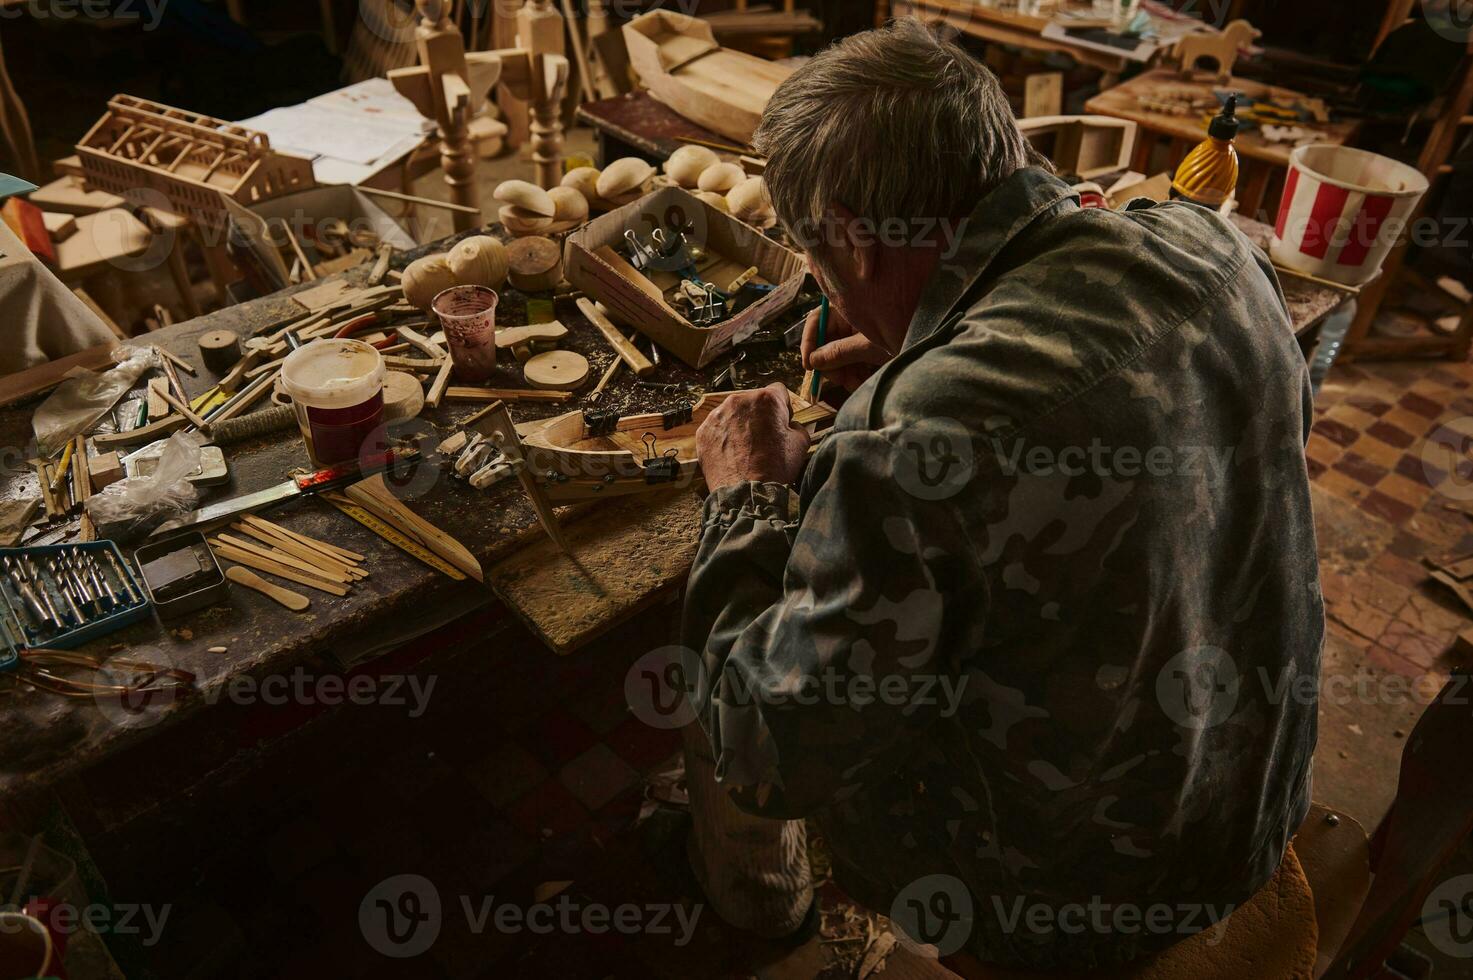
738	245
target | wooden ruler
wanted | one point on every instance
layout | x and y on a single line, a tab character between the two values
389	534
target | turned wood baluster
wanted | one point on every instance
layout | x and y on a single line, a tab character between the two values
540	33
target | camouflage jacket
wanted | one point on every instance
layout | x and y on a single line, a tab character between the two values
1040	653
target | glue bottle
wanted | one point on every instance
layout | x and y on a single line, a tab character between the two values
1209	173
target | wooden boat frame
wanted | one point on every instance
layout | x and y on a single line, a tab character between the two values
677	58
583	456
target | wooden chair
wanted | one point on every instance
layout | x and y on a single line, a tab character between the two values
1441	143
1356	896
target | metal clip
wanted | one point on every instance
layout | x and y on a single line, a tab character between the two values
600	423
676	416
659	468
640	253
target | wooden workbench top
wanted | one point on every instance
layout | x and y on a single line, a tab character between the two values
1122	101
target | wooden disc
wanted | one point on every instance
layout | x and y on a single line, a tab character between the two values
404	396
220	349
557	370
535	264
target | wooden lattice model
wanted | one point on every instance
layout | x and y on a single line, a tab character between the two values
188	158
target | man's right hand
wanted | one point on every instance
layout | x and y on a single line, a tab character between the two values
847	358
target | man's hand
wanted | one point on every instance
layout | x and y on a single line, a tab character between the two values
751	437
847	358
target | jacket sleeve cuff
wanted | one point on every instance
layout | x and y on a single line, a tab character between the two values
765	502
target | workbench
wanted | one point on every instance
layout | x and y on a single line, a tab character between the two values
644	558
633	552
638	125
1262	162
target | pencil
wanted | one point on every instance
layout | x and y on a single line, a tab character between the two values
823	329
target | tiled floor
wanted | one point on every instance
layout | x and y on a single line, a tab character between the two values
1372	449
528	769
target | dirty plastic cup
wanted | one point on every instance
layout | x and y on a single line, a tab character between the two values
337	389
1342	210
468	314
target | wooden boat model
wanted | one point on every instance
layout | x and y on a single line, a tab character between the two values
678	60
580	456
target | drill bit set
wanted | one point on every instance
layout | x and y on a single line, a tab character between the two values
63	595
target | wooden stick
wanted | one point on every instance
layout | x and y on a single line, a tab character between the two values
291	237
277	568
183	410
249	397
437	389
395	195
506	395
315	559
179	362
331	550
294	601
280	556
44	477
83	469
603	382
637	362
373	494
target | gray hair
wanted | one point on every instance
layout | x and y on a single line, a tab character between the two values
895	123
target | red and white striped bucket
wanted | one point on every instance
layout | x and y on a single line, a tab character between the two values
1342	211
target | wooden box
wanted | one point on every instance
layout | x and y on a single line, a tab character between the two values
738	245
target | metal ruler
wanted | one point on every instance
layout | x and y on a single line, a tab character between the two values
396	538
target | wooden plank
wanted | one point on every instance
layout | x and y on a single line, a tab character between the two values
506	395
44	377
631	552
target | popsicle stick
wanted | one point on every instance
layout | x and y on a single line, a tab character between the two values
285	559
294	601
314	559
182	409
330	549
277	568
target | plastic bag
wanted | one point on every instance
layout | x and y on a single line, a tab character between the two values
133	507
85	396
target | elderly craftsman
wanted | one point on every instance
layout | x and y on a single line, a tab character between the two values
1028	638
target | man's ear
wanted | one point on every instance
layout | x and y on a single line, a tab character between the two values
861	247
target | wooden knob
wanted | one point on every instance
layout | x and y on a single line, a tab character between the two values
220	349
535	264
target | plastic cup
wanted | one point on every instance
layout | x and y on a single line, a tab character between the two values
468	314
337	390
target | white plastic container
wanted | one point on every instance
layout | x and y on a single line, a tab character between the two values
1342	210
337	389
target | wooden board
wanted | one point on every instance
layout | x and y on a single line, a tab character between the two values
627	555
44	377
101	238
69	196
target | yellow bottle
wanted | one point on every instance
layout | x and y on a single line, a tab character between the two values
1209	173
